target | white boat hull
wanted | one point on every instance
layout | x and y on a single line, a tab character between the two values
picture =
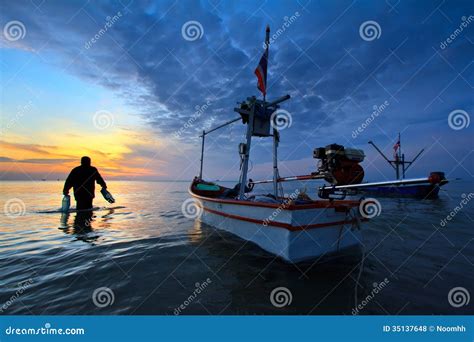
294	235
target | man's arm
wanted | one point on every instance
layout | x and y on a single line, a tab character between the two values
99	179
68	184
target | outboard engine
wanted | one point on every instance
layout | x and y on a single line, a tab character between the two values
339	164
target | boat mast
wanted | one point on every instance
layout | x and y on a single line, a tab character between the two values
245	165
276	136
399	159
398	156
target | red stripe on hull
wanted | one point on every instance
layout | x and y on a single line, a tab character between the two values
279	224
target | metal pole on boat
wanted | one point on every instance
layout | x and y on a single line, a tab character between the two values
397	157
411	162
411	181
275	162
403	166
382	154
202	153
292	178
204	133
245	166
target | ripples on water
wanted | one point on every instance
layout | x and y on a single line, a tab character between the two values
152	258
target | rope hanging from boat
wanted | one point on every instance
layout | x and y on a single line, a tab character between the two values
361	267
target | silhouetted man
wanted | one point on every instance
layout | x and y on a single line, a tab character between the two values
82	179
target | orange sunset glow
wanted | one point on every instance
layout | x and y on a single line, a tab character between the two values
112	152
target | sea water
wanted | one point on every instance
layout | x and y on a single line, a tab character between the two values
142	255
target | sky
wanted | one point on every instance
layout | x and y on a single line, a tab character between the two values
133	83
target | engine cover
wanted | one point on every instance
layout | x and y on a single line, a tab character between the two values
340	165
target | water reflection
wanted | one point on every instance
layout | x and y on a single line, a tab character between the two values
81	227
324	285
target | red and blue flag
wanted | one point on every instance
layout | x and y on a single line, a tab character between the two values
261	70
395	149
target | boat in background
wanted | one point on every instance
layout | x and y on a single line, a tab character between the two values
423	188
340	167
294	227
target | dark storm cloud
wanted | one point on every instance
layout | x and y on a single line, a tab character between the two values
334	76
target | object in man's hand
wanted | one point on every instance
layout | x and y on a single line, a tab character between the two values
66	203
107	195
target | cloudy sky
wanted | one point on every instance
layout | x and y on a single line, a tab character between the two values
132	83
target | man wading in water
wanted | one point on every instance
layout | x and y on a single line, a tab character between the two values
82	179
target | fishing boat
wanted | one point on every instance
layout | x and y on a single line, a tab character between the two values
424	188
293	227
